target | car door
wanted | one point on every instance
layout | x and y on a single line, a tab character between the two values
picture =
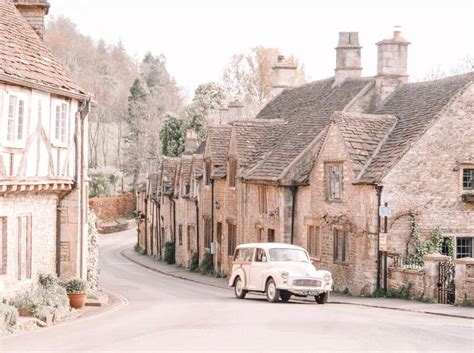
259	265
245	256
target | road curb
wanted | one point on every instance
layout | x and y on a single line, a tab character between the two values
122	252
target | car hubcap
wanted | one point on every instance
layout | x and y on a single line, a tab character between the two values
271	290
238	287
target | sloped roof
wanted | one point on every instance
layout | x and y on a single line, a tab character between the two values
416	106
186	168
255	138
308	110
217	146
25	58
197	167
362	135
168	169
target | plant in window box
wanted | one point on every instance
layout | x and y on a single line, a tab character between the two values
76	289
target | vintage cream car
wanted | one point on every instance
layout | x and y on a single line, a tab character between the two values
280	271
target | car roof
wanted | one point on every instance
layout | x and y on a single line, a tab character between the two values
269	246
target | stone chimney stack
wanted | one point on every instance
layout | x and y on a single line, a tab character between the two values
223	115
348	57
391	64
283	75
191	142
236	110
34	11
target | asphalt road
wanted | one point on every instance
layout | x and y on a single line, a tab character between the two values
155	312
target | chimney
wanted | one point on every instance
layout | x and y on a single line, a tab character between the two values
223	115
235	111
283	75
34	11
391	64
191	142
348	58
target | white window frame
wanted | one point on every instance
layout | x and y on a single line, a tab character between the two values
12	117
60	133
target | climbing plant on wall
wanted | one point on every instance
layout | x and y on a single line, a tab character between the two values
417	248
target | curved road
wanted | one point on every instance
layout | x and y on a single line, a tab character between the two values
159	313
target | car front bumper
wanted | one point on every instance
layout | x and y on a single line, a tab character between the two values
304	290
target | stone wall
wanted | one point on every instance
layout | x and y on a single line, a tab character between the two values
464	281
111	208
398	277
42	208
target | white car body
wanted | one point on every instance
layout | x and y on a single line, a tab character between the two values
299	278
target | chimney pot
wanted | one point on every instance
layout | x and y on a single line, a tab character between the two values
281	58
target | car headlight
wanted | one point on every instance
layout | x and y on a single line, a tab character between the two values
327	277
284	275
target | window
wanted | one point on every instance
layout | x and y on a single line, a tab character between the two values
244	254
341	245
24	247
468	179
334	181
260	256
187	189
262	199
271	235
219	231
207	233
60	123
463	247
231	238
180	234
16	119
232	171
313	240
3	245
207	172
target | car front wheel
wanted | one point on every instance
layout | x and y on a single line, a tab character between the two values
273	294
239	290
322	298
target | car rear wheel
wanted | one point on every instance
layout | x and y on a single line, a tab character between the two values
273	294
285	296
322	298
239	290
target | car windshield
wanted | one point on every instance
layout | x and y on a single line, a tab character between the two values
288	255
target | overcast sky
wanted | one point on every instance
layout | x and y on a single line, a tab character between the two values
199	37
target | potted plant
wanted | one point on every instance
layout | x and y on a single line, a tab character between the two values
25	303
76	291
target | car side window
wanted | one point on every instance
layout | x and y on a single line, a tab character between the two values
248	255
260	256
237	255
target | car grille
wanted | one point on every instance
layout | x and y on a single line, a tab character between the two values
307	283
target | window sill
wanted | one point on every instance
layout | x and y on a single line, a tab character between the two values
233	188
334	200
59	144
339	262
314	258
13	147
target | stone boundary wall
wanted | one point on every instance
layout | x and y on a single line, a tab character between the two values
111	208
464	281
403	276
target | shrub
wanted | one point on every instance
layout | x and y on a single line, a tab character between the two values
8	316
139	249
25	300
103	180
194	262
207	265
93	250
403	292
76	285
169	253
48	280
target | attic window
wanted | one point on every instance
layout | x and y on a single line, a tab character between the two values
334	181
468	179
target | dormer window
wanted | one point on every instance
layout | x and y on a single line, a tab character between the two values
16	119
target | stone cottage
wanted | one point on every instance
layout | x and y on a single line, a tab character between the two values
43	154
321	160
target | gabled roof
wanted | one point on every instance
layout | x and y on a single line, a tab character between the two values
168	170
217	147
362	135
25	60
307	110
197	167
253	139
416	106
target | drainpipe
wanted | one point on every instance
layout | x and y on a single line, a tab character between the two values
58	238
158	233
146	225
294	190
197	227
378	189
212	216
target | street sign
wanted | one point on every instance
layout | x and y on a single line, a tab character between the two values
385	211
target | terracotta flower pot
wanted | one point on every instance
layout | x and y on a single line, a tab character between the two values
77	300
25	312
